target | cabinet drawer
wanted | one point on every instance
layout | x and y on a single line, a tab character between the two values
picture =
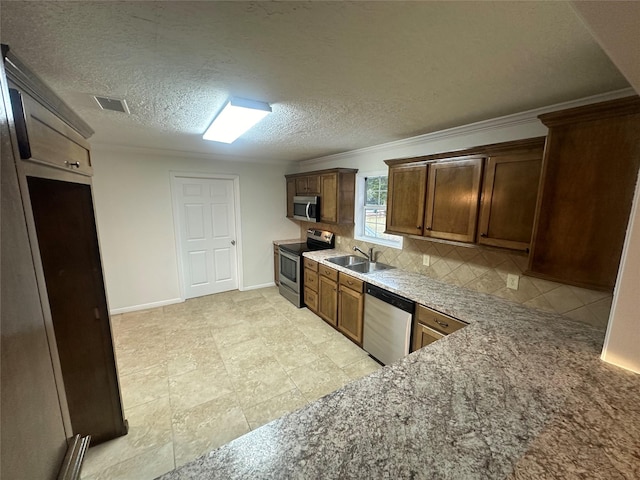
351	282
44	138
328	272
438	321
310	264
311	299
310	279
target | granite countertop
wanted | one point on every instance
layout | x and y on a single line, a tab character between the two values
292	240
517	394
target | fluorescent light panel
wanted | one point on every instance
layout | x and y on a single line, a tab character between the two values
235	118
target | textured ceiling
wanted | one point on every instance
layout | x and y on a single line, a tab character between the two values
339	75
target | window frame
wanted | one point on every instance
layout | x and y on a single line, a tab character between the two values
359	216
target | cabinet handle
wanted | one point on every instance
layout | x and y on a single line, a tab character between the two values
349	282
419	227
442	324
483	235
72	164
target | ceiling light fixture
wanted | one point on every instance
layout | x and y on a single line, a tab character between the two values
235	118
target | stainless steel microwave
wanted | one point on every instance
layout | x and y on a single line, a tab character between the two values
306	209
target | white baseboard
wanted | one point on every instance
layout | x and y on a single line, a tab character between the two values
145	306
256	287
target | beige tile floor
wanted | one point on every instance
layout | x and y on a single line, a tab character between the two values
196	375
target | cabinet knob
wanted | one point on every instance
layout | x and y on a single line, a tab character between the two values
428	228
419	227
483	235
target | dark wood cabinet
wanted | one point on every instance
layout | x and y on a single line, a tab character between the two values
509	196
453	191
350	307
66	231
484	194
590	169
328	294
291	192
406	198
336	189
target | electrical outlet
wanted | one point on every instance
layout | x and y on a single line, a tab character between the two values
513	281
426	260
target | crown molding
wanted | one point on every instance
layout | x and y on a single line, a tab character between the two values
477	127
169	153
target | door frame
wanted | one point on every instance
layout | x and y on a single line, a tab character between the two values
174	175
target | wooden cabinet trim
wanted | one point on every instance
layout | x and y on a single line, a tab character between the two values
597	111
481	150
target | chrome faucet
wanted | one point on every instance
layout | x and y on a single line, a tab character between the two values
369	256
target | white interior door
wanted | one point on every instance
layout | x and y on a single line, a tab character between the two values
205	211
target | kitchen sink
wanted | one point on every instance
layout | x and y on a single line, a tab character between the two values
347	260
368	267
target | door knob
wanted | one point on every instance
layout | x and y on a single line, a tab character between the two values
233	242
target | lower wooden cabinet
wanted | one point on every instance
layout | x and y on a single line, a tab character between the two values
430	326
351	307
310	282
328	300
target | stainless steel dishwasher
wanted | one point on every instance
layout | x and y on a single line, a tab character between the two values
387	324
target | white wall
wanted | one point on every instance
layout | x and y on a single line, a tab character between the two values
132	190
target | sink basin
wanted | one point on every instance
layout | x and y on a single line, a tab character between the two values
368	267
347	260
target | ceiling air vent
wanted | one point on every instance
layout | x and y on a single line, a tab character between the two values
113	104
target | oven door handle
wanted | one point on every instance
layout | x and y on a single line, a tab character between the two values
307	210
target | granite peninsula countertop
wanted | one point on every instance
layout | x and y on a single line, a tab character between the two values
517	394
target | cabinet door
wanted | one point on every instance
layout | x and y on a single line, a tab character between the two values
311	299
291	192
452	199
351	313
509	195
406	199
313	185
590	171
328	299
423	336
329	198
310	279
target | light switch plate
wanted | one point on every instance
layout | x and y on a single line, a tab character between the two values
513	281
426	260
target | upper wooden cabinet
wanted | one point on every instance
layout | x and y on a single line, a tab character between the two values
438	195
406	198
437	199
509	194
291	192
336	188
452	199
308	185
589	173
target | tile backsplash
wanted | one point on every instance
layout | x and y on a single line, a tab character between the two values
483	270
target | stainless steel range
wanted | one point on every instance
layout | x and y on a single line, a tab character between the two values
291	267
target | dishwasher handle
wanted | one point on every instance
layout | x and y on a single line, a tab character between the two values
391	298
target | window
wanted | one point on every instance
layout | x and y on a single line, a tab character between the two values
371	210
